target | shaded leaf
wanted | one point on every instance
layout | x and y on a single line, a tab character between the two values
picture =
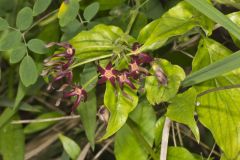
104	4
88	111
182	110
177	153
70	146
40	6
89	76
156	92
126	145
90	11
119	106
71	30
37	46
68	12
24	18
219	111
35	127
18	53
3	24
28	71
10	40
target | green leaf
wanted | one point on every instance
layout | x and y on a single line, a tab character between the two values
90	11
158	130
126	145
119	106
207	9
88	111
35	127
21	92
157	93
18	53
235	18
89	76
179	153
68	11
104	4
71	30
140	22
3	24
12	145
219	111
153	9
177	21
10	40
182	110
24	18
40	6
28	71
70	146
37	46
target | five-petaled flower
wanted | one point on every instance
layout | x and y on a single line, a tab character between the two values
80	93
123	78
108	73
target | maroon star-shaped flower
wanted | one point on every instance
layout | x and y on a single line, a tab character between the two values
123	78
108	73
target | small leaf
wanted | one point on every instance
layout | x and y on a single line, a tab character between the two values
24	18
88	111
10	40
18	53
37	46
158	130
35	127
89	77
126	144
119	106
182	110
12	145
90	11
70	146
180	153
40	6
28	71
156	92
68	12
3	24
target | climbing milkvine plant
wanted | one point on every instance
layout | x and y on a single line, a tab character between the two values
118	71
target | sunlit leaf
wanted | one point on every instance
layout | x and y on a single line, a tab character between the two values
18	53
126	144
40	6
104	4
235	18
158	130
70	146
24	18
28	71
90	11
37	46
120	104
155	91
180	105
219	111
177	153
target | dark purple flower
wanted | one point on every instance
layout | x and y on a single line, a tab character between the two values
142	57
123	78
80	93
107	73
69	50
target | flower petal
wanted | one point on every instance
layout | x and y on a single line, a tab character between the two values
102	80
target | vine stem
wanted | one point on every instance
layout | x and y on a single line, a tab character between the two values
165	137
140	138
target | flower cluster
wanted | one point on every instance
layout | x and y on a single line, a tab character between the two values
58	67
135	69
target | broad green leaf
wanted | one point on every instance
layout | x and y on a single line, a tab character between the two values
89	76
10	40
153	9
180	153
207	9
157	93
177	21
37	46
28	71
3	24
182	110
104	4
24	18
88	111
18	53
126	145
70	146
35	127
219	111
233	3
90	11
12	145
68	11
119	105
158	130
40	6
235	18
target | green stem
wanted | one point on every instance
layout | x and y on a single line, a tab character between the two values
141	139
133	18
